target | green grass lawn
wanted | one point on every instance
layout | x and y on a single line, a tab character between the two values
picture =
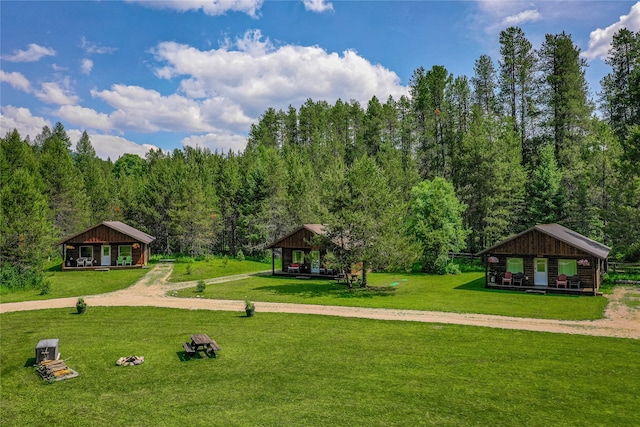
76	283
294	370
213	268
463	293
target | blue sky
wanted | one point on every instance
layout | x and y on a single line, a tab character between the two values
142	74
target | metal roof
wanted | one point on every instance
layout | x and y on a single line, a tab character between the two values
118	226
563	234
314	228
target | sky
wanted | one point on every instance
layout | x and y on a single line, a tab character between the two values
165	74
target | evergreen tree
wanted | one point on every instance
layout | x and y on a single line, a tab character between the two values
485	85
97	182
516	83
620	97
545	193
64	185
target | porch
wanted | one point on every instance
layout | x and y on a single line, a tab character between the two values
540	289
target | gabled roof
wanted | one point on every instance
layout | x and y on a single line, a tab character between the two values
120	227
314	228
565	235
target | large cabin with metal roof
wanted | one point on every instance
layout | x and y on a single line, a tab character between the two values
546	257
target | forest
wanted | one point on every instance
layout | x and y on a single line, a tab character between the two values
456	165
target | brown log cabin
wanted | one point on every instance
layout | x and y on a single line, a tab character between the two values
110	244
546	258
301	256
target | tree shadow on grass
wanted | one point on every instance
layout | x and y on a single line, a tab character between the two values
478	286
315	289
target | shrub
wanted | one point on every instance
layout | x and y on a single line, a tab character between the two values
225	261
240	255
201	286
188	271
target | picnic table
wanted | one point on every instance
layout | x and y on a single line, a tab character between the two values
201	342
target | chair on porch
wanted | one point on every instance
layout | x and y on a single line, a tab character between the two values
518	279
80	262
507	279
561	281
574	281
120	261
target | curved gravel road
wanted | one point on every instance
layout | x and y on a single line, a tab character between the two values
620	320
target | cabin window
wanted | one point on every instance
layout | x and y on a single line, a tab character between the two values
568	267
298	257
86	251
515	265
124	250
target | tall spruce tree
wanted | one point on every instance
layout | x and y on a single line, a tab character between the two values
517	84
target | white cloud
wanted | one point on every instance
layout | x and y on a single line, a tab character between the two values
111	146
218	141
318	6
33	53
530	15
209	7
257	75
17	80
90	47
57	93
600	39
21	119
86	118
86	65
145	110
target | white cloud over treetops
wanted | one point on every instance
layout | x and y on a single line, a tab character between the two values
600	39
22	120
209	7
223	91
33	53
257	75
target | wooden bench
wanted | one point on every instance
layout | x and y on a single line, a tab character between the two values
212	348
188	349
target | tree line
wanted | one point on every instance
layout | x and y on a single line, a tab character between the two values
458	163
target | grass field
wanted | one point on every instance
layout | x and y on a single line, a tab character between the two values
463	293
213	268
77	283
294	370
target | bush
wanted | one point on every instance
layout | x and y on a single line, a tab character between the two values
188	271
15	278
225	261
201	286
240	255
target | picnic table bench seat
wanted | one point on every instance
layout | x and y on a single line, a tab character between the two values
188	349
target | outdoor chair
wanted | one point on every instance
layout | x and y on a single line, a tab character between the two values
120	261
561	281
80	262
127	260
507	279
518	279
574	281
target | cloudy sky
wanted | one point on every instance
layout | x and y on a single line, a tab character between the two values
140	74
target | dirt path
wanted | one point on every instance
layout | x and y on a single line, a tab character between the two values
620	320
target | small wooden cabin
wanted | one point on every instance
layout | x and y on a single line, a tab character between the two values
110	244
301	255
546	257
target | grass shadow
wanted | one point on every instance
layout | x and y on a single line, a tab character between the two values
30	363
478	286
315	289
183	357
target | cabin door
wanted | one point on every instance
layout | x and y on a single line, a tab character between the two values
315	262
106	255
540	275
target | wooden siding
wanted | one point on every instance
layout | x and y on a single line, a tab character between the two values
101	234
588	274
536	243
299	240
